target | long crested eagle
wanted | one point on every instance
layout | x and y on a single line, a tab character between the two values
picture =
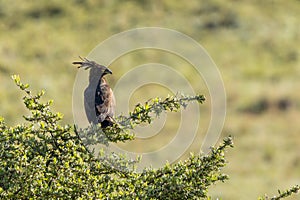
103	98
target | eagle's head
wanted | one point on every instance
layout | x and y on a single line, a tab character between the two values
89	64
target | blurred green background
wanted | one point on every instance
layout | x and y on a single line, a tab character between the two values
255	44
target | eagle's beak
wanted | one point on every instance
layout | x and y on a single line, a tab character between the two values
107	71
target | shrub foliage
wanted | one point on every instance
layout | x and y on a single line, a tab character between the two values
42	159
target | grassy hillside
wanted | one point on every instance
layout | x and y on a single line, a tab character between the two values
255	44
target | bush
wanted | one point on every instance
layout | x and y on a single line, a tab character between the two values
42	159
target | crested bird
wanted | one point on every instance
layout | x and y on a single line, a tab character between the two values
103	98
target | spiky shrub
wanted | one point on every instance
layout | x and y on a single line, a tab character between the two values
42	159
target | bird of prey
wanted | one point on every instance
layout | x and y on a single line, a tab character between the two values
104	100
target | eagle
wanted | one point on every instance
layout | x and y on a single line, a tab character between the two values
103	98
